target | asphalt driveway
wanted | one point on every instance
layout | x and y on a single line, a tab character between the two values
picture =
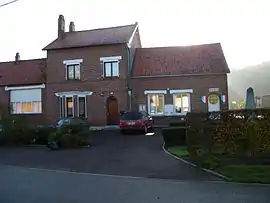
113	154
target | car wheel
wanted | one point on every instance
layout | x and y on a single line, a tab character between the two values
123	132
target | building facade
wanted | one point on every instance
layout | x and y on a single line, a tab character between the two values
95	74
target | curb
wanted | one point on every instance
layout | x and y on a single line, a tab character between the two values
194	165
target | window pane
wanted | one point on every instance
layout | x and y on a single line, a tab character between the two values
69	107
13	107
18	107
177	103
40	107
156	104
29	107
82	109
24	107
115	69
70	72
185	101
108	70
77	71
181	103
160	104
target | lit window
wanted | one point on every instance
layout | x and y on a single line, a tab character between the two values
25	101
156	104
69	107
181	103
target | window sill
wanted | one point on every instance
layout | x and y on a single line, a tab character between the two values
31	113
110	78
73	80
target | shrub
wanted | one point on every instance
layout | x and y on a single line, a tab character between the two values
178	124
15	131
235	133
174	136
71	136
42	135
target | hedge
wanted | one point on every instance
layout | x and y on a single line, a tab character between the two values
174	136
242	133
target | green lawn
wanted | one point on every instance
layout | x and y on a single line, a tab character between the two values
247	173
237	173
180	151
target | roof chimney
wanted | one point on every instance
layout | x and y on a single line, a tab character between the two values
61	26
17	58
71	26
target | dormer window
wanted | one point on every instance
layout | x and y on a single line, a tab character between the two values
73	69
110	66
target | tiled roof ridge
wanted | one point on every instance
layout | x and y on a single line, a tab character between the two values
104	28
25	60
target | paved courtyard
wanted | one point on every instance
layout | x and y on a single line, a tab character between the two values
111	153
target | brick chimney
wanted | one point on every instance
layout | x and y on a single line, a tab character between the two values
61	26
71	26
17	58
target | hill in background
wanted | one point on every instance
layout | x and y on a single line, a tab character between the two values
257	77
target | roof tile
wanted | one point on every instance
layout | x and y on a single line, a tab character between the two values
102	36
197	59
25	72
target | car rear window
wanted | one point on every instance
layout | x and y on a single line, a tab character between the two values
131	116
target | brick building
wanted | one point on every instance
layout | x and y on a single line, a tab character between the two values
96	73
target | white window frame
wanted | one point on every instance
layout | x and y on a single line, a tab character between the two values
73	62
42	86
189	103
110	59
78	105
72	94
149	104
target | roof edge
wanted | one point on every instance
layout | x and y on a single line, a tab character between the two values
38	59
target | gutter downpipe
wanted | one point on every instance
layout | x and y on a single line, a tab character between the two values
129	97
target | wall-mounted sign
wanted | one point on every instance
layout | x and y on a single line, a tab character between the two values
223	98
214	89
213	99
204	99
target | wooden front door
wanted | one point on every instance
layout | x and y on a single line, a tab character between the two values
112	111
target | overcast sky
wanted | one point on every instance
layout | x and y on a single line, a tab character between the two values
242	26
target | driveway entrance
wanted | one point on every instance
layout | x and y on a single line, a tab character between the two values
113	154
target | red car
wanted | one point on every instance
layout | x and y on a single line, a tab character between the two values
136	121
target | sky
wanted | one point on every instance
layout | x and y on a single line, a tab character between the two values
241	26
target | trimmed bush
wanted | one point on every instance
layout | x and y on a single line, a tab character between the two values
237	133
178	124
174	136
71	136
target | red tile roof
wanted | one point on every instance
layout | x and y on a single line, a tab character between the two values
102	36
197	59
25	72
